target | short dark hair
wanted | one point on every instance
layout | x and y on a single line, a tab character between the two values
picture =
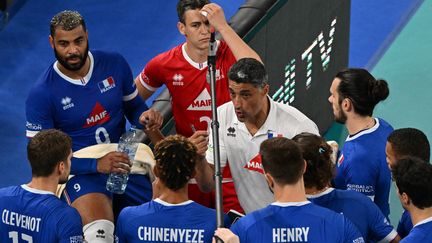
46	149
409	142
67	20
362	89
414	177
281	158
185	5
248	70
175	161
317	153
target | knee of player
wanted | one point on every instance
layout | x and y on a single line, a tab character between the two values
99	231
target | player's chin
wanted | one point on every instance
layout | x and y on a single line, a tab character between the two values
203	44
241	117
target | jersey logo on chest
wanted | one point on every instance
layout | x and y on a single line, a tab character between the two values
67	103
177	80
98	116
106	84
201	103
255	164
231	132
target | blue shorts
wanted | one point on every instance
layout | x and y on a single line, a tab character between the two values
138	190
80	185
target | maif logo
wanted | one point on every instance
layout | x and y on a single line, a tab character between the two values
202	102
98	116
255	164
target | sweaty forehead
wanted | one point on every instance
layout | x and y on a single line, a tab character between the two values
61	34
193	15
241	86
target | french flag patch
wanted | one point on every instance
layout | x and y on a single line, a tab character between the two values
273	135
340	160
106	84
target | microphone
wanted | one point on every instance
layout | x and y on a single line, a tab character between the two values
212	44
212	48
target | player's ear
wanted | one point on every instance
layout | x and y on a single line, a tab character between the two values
51	41
156	171
305	166
405	199
181	28
269	179
347	104
61	167
266	89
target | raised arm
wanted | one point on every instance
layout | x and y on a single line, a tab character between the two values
216	18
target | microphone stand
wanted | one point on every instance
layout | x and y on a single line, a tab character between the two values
211	63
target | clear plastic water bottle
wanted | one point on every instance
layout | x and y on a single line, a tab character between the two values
128	144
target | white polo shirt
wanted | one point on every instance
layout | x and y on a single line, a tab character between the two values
240	148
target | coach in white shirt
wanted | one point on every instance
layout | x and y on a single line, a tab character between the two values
250	118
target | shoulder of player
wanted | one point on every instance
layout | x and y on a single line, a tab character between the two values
8	191
326	215
353	198
165	57
145	209
253	219
108	57
40	91
287	112
202	209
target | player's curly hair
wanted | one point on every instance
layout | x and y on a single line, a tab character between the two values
67	20
175	161
317	153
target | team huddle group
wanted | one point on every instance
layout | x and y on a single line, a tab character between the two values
290	184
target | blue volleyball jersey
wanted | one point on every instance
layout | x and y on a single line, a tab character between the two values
362	212
30	215
159	221
421	232
295	222
362	165
91	110
405	224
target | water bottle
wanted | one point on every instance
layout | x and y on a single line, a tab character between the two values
128	144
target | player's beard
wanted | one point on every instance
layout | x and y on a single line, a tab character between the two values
72	67
341	117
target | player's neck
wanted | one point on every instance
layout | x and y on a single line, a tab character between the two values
356	123
76	74
174	197
197	55
315	191
418	215
290	193
253	124
44	183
